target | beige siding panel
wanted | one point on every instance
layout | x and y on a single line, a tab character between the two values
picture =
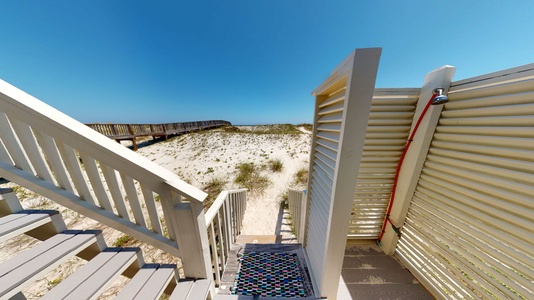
469	227
389	123
341	110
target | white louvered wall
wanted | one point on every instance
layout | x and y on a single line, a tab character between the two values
470	229
342	106
389	125
326	142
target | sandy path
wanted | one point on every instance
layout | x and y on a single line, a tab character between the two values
200	157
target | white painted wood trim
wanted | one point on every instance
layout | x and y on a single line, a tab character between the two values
415	157
13	146
27	139
360	88
56	164
334	193
73	165
150	202
96	181
70	200
112	183
133	199
59	126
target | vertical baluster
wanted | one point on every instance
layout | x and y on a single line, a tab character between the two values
234	215
115	191
167	203
135	203
96	181
27	139
152	210
222	246
13	146
56	163
73	166
214	256
226	226
241	210
4	156
228	222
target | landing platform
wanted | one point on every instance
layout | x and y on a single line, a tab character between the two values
258	266
367	272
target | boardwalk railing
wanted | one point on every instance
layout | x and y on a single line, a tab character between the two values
223	221
297	210
130	132
60	158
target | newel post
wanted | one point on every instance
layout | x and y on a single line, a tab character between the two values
416	155
192	238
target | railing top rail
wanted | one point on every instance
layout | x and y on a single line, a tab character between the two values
152	124
214	208
38	114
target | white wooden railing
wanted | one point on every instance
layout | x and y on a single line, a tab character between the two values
223	221
60	158
297	209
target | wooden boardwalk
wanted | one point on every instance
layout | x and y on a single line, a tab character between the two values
121	132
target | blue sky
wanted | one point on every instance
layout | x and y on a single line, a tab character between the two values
245	61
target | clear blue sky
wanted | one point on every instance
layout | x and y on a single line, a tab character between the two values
245	61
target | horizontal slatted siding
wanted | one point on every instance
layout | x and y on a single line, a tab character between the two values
469	230
387	132
325	144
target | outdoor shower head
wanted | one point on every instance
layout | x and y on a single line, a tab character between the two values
440	98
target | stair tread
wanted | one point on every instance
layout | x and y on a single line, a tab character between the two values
92	278
191	290
149	282
17	272
23	221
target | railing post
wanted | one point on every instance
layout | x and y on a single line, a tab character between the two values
303	214
415	157
164	131
9	203
192	237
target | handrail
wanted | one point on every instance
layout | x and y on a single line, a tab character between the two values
216	205
84	170
121	132
223	222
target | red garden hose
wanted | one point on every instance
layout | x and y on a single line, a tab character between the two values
394	188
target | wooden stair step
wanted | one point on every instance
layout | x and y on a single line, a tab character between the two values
89	281
18	272
148	283
191	289
24	221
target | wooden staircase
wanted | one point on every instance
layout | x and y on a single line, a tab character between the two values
148	281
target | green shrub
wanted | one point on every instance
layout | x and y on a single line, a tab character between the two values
213	188
276	165
123	241
249	177
301	177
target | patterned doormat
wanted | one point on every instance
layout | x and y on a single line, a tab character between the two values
271	275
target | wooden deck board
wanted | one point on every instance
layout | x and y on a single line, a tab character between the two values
370	274
22	222
157	283
19	271
190	289
88	281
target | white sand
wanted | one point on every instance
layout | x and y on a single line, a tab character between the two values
199	157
